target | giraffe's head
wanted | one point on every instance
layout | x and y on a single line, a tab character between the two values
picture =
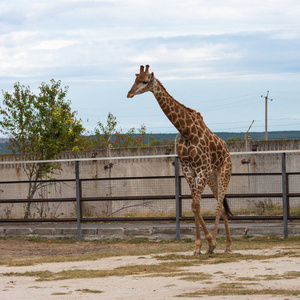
143	82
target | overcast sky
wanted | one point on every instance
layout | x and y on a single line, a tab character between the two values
215	56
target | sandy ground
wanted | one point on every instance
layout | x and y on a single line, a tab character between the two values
145	287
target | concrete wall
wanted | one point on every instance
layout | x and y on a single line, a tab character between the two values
242	163
270	145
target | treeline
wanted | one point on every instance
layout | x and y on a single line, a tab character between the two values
258	136
155	139
255	136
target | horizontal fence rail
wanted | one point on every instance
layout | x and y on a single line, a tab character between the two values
251	196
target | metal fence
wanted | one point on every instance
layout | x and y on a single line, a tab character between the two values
251	196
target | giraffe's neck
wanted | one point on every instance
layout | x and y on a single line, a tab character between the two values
180	116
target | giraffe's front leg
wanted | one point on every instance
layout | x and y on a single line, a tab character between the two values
199	221
228	237
190	176
202	180
196	211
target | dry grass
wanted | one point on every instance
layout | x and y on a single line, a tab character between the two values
172	264
237	289
89	291
139	246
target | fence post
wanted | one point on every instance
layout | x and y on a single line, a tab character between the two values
177	199
180	198
284	197
78	201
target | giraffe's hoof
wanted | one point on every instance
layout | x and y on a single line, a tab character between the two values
211	249
197	253
228	250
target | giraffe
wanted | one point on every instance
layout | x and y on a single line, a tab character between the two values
203	156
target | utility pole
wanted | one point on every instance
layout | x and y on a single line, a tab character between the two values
246	137
266	114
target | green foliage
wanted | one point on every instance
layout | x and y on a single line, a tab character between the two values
42	125
104	132
234	140
108	134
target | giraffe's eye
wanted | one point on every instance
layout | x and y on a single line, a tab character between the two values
145	82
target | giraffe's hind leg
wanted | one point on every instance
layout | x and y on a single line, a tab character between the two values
224	179
227	230
213	184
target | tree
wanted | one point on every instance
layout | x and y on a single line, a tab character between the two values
40	127
234	140
108	134
104	132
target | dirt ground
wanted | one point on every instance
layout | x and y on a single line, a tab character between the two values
12	247
269	274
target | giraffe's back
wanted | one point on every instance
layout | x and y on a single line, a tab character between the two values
203	147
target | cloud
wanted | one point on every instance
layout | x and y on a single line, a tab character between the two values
96	46
88	54
53	45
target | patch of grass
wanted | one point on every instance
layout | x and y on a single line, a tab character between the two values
177	273
236	289
61	294
140	240
89	291
183	275
187	240
261	208
270	277
121	249
111	248
172	266
200	276
247	279
54	259
174	256
40	240
220	258
170	285
292	275
286	275
143	246
258	243
162	268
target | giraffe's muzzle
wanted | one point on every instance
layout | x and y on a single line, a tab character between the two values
130	95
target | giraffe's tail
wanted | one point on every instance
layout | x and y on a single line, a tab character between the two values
227	209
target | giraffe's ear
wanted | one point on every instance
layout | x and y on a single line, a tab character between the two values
152	75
